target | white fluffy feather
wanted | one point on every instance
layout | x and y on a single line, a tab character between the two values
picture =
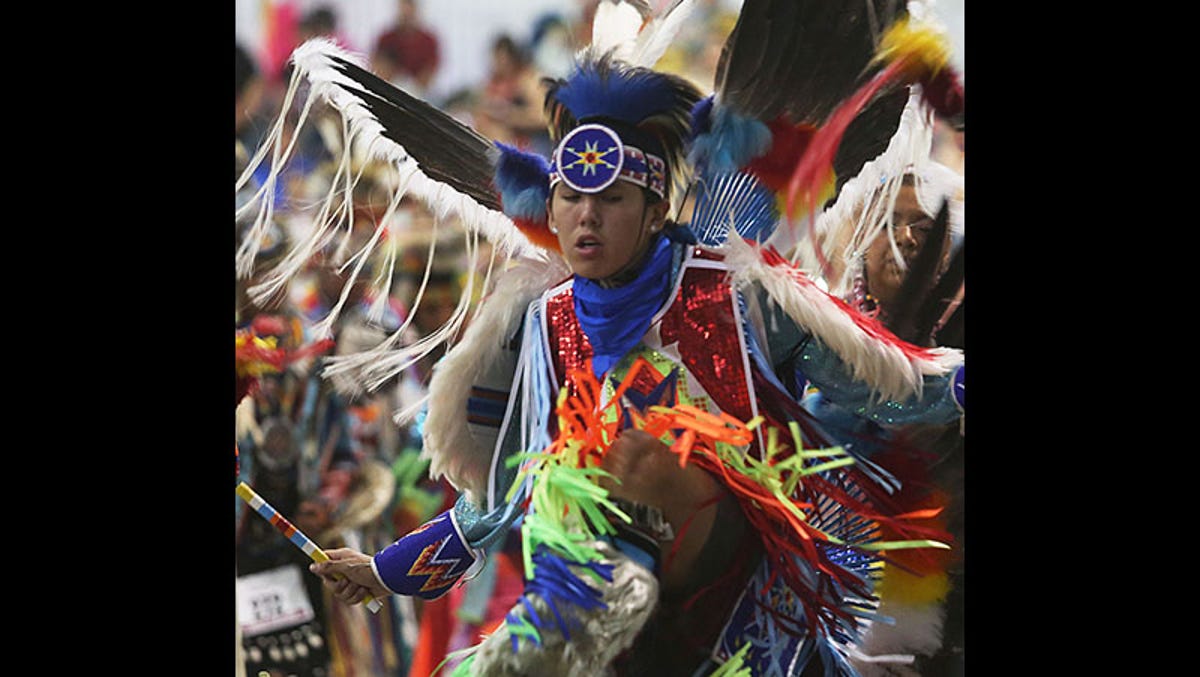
615	28
886	368
654	39
631	34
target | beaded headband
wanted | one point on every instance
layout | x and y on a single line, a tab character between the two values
592	157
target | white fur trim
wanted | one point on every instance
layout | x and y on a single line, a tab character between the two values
603	633
447	443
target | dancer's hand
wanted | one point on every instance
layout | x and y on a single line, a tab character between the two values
349	576
650	474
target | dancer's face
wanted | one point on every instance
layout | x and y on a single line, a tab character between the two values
602	234
910	227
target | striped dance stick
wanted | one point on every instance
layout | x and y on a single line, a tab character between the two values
293	534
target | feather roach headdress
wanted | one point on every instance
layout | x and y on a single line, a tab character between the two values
646	108
609	120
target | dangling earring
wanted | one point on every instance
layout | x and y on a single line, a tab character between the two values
860	299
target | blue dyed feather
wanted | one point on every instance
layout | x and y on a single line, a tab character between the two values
524	182
733	199
723	144
627	95
557	585
724	140
702	116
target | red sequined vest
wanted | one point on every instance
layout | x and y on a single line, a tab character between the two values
701	326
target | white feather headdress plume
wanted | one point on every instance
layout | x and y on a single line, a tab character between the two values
615	26
631	31
656	36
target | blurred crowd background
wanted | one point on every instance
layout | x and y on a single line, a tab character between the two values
335	464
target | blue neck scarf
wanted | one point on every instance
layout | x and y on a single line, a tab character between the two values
616	318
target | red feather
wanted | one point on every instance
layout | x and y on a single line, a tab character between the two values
788	143
944	93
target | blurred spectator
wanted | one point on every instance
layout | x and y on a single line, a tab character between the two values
552	47
510	105
322	22
408	53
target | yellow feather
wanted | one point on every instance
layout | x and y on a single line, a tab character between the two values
904	588
252	367
922	46
827	191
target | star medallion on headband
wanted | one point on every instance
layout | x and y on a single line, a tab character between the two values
590	158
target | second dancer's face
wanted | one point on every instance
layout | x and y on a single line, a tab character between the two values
910	228
601	234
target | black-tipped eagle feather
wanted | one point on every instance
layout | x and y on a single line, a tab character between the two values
445	149
799	60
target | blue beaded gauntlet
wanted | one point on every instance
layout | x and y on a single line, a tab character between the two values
428	561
